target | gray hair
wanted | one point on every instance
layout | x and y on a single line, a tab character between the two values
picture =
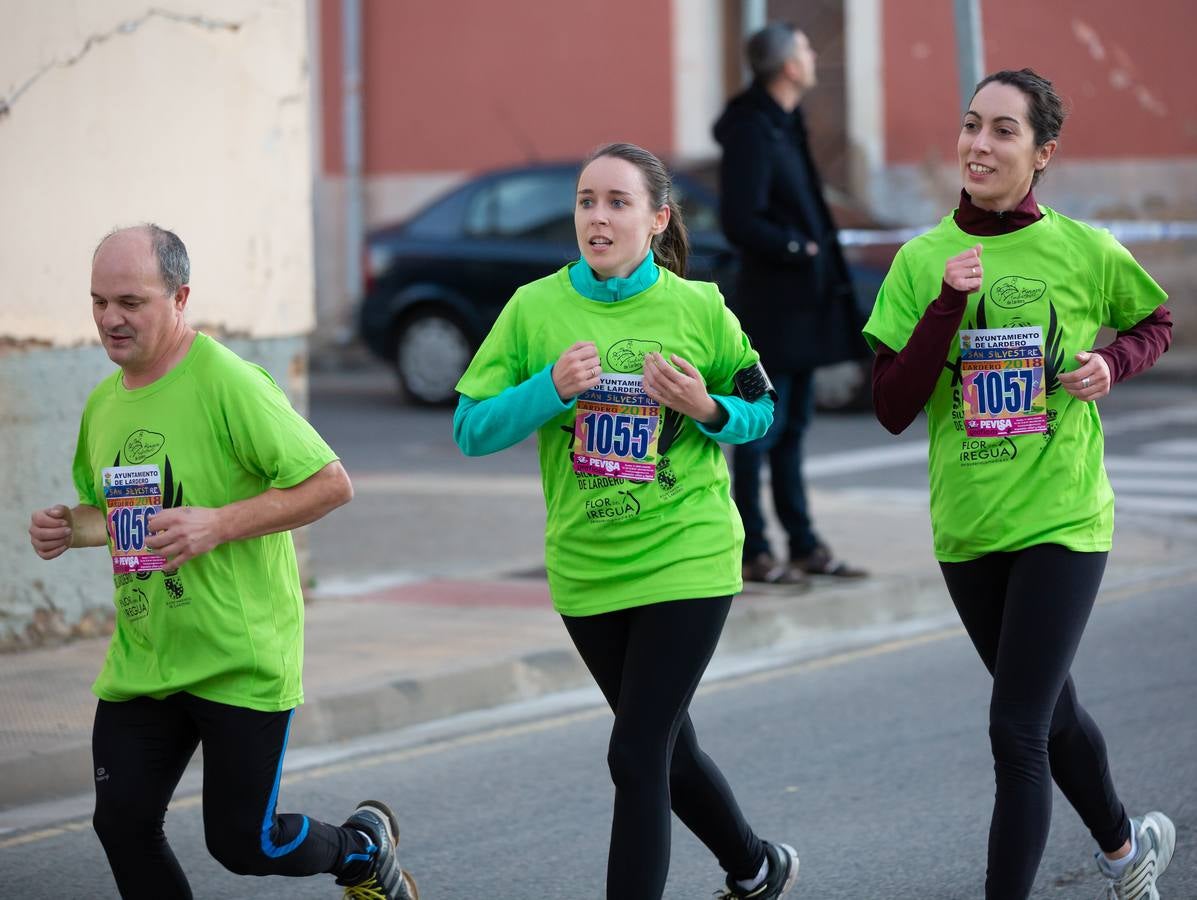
174	266
769	49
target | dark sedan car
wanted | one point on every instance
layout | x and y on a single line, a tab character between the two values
436	283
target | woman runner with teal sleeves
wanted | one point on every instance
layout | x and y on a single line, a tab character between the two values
989	321
630	375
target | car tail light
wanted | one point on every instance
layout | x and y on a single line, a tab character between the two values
375	260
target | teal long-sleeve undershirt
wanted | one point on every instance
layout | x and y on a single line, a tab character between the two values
488	426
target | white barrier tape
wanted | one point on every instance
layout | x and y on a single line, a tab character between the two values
1132	230
1126	231
865	237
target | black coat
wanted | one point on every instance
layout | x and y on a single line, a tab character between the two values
799	310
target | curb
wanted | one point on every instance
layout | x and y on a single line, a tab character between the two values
762	618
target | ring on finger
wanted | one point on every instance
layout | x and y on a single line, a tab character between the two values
1085	381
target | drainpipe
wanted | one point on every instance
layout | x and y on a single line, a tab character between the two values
351	142
753	17
970	49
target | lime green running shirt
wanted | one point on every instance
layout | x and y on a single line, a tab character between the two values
228	625
638	499
1016	490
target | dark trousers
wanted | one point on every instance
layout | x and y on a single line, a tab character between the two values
1025	613
140	748
782	444
648	661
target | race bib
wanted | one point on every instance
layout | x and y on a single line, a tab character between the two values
1001	374
132	496
616	428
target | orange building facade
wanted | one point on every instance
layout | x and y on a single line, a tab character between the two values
464	85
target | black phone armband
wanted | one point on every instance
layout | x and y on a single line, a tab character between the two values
752	383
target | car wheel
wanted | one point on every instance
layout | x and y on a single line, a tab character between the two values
431	354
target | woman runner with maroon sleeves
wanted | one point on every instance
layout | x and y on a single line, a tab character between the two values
988	323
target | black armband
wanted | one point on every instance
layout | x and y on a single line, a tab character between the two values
752	383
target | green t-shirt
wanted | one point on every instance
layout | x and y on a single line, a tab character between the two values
669	530
991	494
228	625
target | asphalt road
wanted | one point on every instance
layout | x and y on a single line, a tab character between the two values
873	762
424	510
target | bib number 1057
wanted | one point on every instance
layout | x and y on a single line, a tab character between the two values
1009	391
621	435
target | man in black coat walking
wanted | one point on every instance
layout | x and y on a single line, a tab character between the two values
793	295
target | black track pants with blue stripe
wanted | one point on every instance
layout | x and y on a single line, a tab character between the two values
140	748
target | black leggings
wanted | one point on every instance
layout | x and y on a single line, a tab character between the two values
140	748
648	661
1025	612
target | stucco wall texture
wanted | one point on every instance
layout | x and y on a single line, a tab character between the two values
193	116
111	114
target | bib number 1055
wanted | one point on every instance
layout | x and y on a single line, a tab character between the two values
622	435
1009	391
130	526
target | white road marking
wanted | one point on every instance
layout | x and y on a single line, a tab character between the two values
1169	486
865	459
1140	504
1143	465
1178	447
441	484
1138	421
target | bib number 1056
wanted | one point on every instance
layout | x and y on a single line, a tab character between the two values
621	435
1009	391
130	526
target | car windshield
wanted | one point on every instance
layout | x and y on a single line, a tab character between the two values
442	219
535	205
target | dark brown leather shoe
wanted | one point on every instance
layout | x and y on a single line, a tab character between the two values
764	569
821	562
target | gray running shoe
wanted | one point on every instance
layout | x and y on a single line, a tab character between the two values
386	881
783	872
1155	836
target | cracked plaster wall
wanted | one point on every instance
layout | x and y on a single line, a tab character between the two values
111	114
194	116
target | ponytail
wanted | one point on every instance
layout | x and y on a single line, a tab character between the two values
672	246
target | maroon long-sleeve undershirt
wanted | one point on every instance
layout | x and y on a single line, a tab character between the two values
903	381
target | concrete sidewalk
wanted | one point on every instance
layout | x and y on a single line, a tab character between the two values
425	650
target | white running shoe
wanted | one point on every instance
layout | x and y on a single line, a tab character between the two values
1155	836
